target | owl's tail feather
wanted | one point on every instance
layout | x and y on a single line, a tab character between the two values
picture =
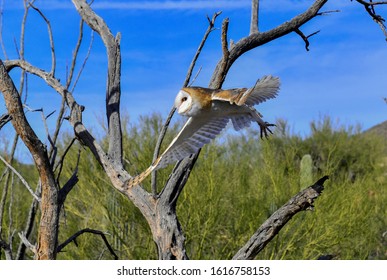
136	180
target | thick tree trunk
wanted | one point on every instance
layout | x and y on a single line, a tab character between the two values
168	236
49	223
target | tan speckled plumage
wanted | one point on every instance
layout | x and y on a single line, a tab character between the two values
209	112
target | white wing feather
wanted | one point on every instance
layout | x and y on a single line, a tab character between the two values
265	88
195	134
241	121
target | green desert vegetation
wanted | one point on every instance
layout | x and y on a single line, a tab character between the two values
237	183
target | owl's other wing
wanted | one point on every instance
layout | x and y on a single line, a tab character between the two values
196	132
265	88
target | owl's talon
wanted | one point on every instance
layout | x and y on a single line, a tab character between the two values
265	128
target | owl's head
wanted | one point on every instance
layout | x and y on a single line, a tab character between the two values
183	103
191	101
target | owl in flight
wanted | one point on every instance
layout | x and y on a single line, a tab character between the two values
209	112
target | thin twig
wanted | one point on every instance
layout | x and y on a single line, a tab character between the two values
44	119
1	31
69	185
3	198
324	13
4	119
60	162
29	223
195	77
11	231
24	182
7	249
53	57
23	76
59	122
369	6
211	24
305	38
87	230
370	3
6	181
27	243
157	149
75	54
84	62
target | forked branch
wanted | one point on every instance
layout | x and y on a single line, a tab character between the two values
259	38
369	6
113	88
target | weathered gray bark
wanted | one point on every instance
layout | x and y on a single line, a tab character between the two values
254	16
113	88
269	229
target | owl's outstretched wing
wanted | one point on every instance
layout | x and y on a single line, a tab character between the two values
265	88
196	132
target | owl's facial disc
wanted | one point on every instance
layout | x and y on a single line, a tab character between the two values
183	102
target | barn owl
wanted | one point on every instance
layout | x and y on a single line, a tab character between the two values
208	112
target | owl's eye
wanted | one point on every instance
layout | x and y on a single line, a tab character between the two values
184	99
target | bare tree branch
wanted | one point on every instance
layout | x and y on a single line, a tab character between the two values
61	161
305	38
371	3
157	149
88	230
68	186
4	119
75	55
24	182
53	57
1	30
211	24
257	39
29	224
370	8
113	92
269	229
84	62
254	23
7	249
225	51
27	243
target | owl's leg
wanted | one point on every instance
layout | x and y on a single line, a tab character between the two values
264	126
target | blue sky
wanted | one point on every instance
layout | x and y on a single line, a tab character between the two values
343	75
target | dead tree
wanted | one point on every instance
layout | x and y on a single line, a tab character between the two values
159	206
